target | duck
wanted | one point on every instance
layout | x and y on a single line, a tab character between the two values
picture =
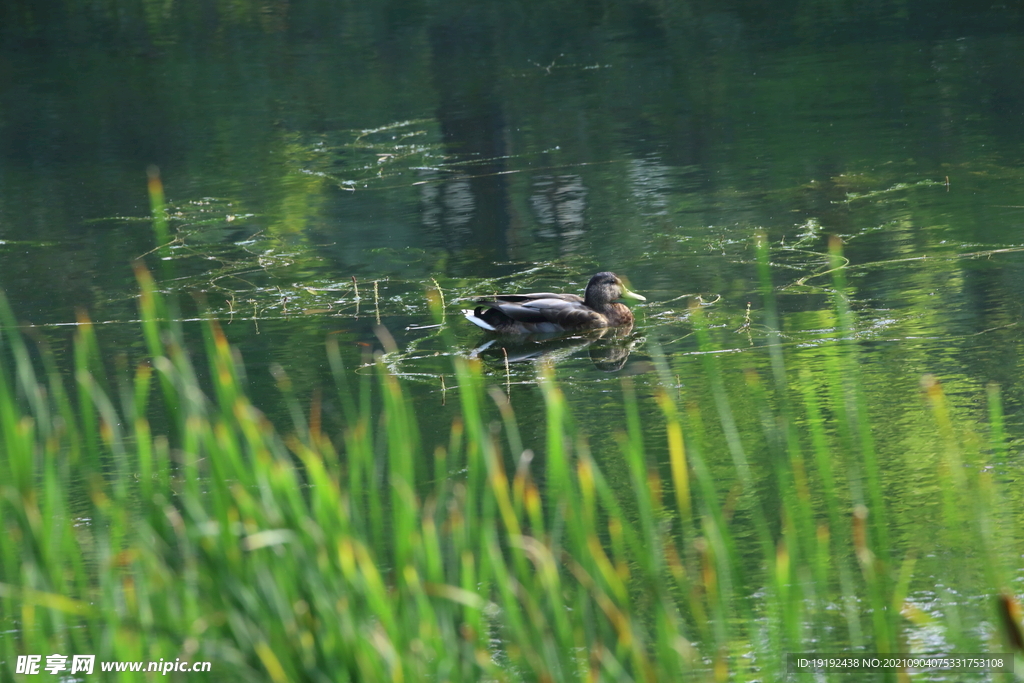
549	313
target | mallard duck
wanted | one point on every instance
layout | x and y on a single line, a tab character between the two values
544	312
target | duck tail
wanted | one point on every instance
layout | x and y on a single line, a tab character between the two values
472	316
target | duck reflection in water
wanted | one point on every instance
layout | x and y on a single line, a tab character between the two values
534	326
609	349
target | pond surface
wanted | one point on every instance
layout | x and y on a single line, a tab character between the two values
327	165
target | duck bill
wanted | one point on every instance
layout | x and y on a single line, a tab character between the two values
633	295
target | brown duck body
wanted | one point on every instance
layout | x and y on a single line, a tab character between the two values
550	313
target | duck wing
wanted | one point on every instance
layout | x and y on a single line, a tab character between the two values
534	296
566	313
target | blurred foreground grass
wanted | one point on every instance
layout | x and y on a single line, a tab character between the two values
280	553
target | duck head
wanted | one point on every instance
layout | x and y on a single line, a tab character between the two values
605	288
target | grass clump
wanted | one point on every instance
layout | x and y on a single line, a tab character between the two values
291	556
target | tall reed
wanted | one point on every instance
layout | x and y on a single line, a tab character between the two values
286	553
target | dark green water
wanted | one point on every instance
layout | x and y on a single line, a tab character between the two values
478	146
